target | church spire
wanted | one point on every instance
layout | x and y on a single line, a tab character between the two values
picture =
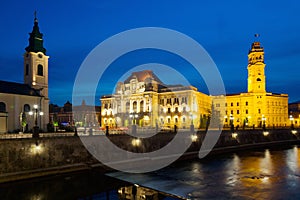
35	39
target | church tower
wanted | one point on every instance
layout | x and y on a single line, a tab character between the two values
36	62
256	69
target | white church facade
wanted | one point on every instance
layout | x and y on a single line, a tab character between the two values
25	105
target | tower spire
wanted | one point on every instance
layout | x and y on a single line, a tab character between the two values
35	18
36	38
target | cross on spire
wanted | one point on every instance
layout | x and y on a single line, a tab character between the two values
35	19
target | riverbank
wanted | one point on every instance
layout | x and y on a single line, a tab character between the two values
28	158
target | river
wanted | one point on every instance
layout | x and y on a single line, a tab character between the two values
256	174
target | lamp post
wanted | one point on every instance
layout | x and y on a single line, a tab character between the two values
225	121
292	121
36	112
133	116
264	122
231	118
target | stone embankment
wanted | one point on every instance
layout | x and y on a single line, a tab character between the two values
22	158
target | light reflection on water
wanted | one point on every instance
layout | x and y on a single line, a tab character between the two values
256	174
259	174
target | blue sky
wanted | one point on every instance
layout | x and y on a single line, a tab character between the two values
224	28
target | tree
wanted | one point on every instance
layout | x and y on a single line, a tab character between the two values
23	121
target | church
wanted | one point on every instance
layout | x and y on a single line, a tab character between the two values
25	105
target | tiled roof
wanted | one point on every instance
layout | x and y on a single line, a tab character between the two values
142	76
17	88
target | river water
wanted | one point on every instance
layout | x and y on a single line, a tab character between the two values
256	174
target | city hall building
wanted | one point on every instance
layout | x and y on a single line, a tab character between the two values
143	99
17	100
257	107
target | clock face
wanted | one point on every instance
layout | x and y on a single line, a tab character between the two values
40	55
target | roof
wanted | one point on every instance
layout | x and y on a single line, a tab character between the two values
296	102
18	88
141	76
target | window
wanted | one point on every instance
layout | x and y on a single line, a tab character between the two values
176	120
127	107
26	69
2	107
169	120
217	105
134	106
142	106
40	70
258	111
176	110
237	103
231	104
246	103
26	108
231	112
237	112
246	111
258	79
183	119
169	110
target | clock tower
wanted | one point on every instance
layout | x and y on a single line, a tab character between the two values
36	62
256	69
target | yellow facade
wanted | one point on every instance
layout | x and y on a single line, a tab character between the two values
145	101
256	107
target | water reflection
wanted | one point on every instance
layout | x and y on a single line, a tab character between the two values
259	174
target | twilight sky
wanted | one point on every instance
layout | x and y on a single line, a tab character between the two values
224	28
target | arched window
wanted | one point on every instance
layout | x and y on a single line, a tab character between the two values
134	106
127	107
26	108
2	107
258	79
142	106
40	70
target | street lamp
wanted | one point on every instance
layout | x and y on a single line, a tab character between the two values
231	123
264	122
292	121
36	112
133	116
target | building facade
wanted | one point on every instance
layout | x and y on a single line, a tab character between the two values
142	99
257	107
18	100
294	113
83	115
